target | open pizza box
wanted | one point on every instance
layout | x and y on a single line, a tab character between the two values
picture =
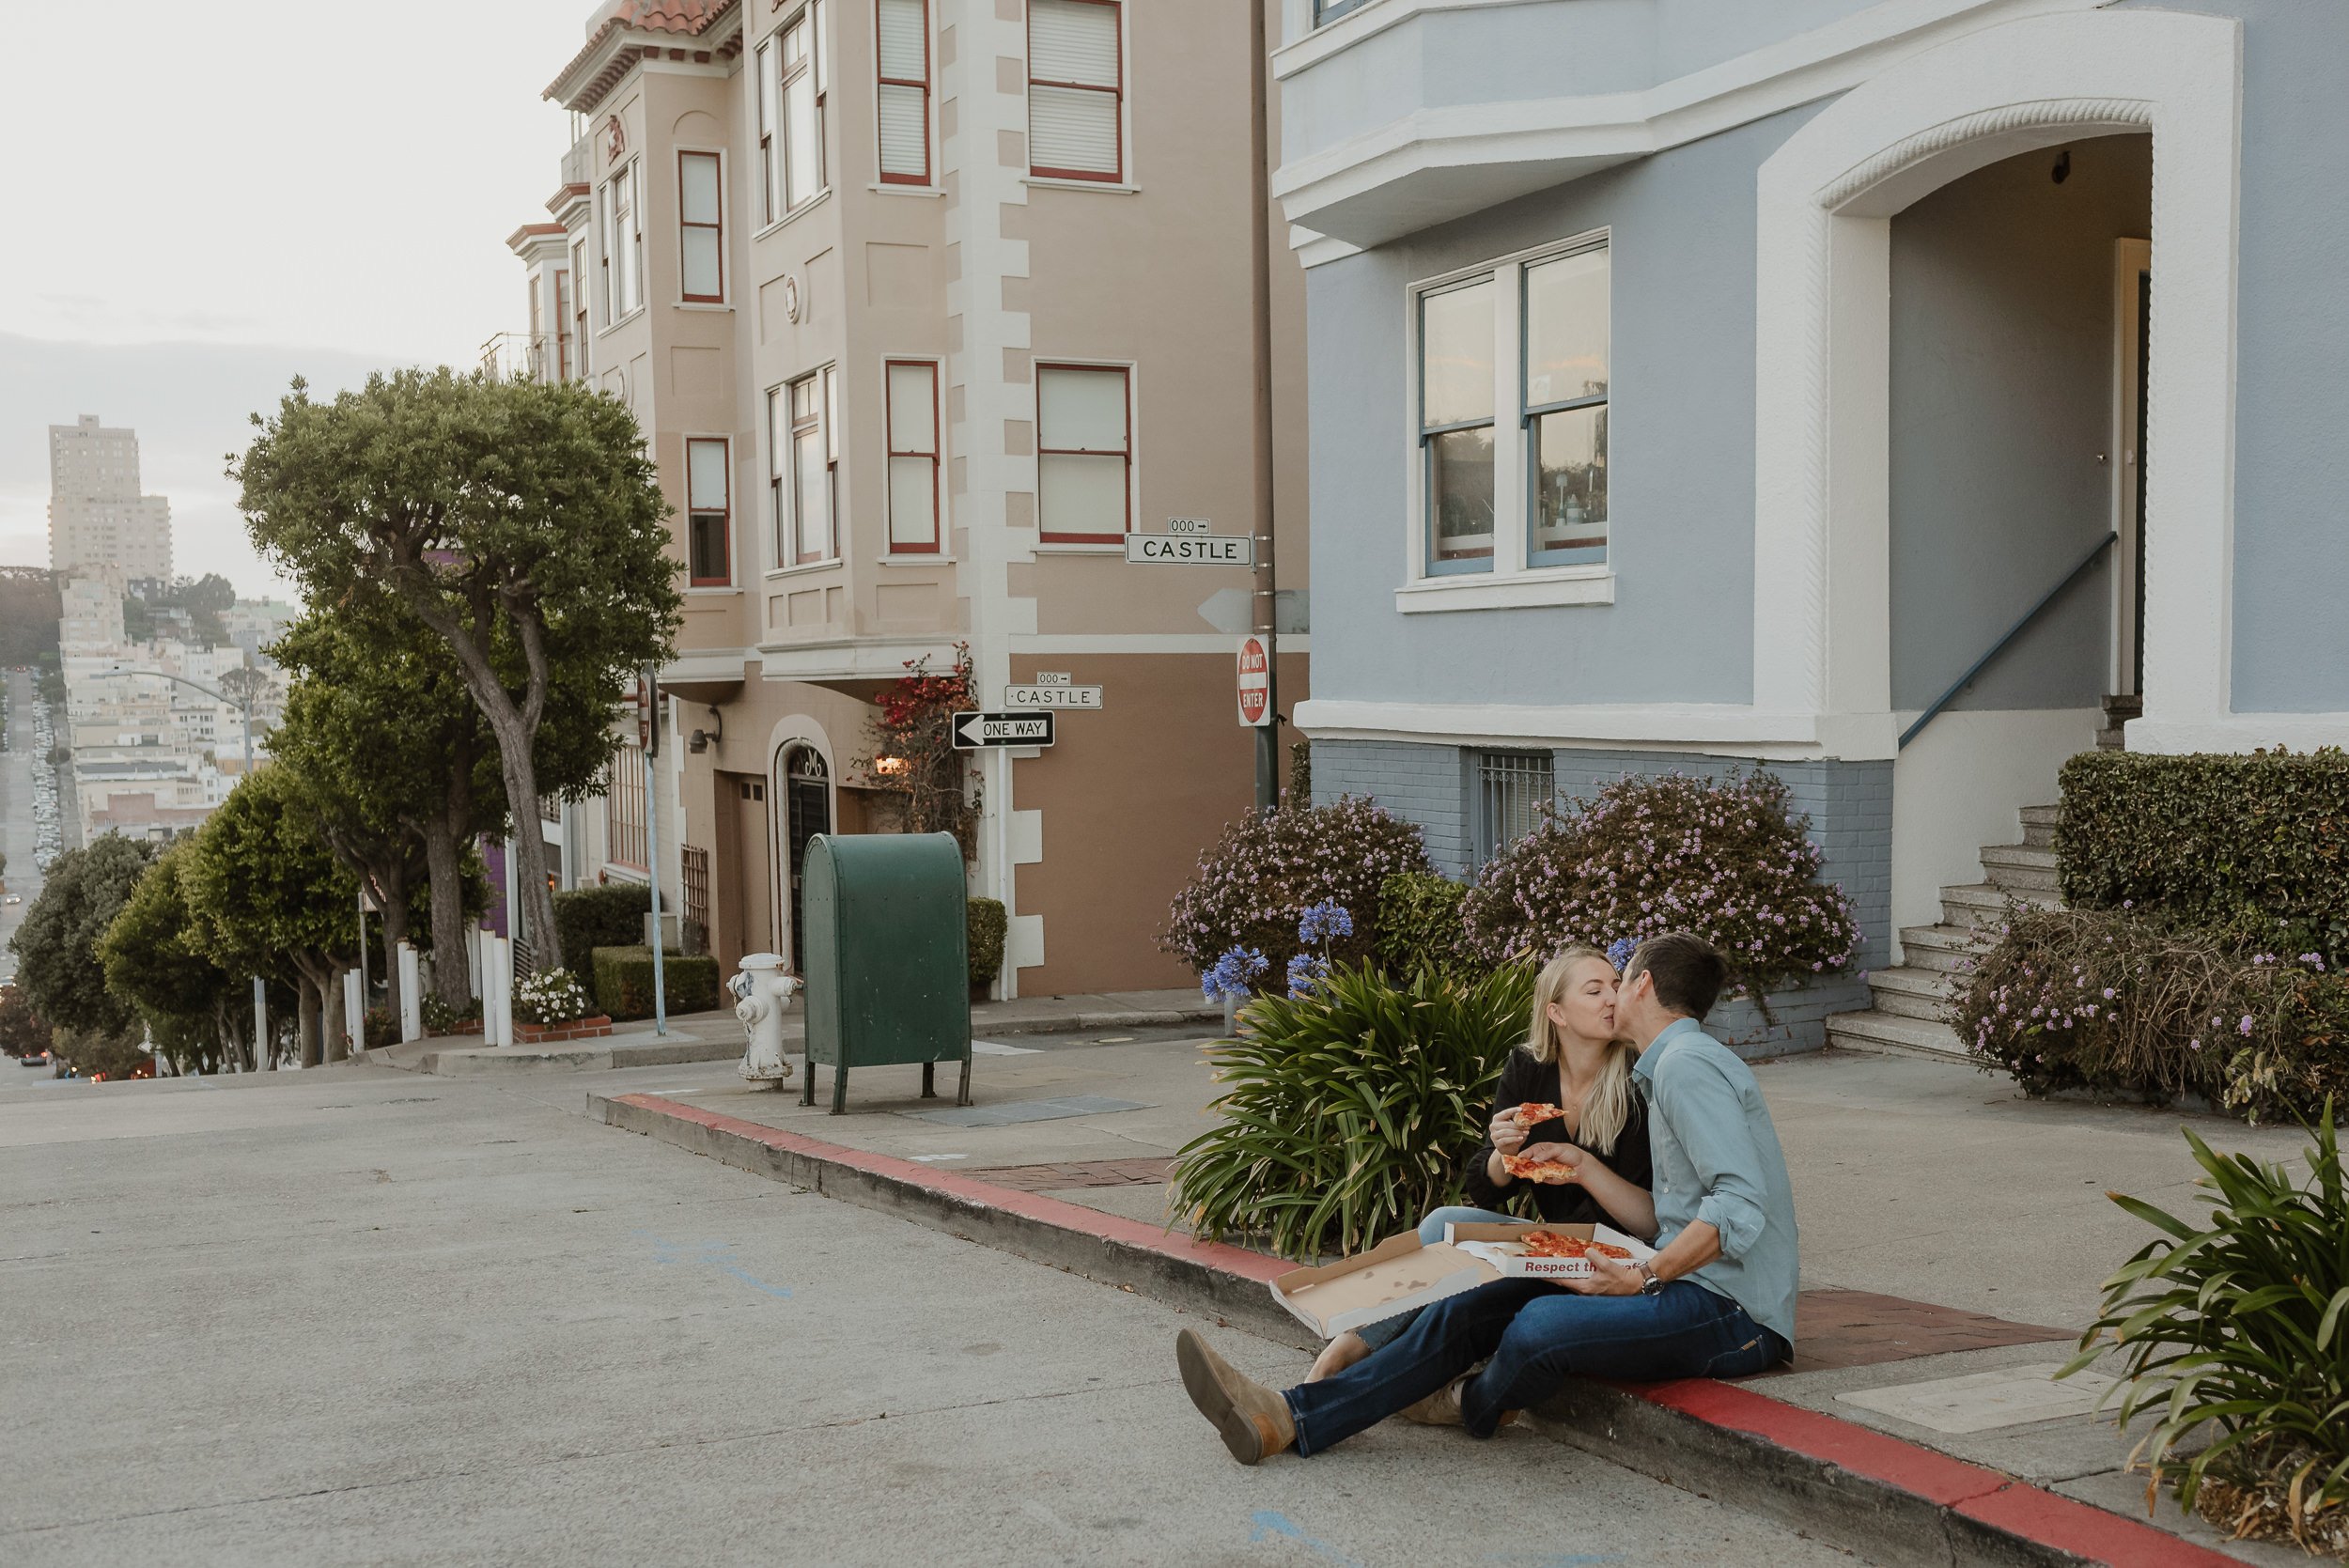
1402	1273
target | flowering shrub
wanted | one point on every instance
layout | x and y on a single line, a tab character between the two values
2115	999
553	997
912	754
1254	888
1671	853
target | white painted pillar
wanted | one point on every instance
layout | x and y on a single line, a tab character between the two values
411	995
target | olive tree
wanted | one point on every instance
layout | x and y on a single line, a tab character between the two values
154	957
56	947
496	513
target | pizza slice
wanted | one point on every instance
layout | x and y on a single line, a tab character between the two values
1534	1115
1551	1244
1543	1172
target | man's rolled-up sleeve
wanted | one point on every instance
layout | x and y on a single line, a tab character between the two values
1709	1121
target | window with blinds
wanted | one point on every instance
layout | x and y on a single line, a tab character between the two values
1085	454
701	238
902	100
912	457
1076	89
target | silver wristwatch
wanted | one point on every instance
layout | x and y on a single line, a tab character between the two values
1650	1284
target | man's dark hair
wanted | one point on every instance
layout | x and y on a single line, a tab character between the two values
1688	971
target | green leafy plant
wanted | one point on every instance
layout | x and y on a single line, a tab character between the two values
1346	1111
551	997
2253	848
623	977
441	1018
586	919
2237	1332
985	922
1420	927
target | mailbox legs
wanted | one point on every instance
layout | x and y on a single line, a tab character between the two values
840	1088
929	1080
963	1098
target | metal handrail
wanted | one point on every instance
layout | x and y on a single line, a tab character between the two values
2011	632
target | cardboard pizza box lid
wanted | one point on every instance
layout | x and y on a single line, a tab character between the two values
1514	1229
1393	1276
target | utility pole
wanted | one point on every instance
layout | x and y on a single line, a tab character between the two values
1266	596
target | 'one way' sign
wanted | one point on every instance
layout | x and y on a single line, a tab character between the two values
976	731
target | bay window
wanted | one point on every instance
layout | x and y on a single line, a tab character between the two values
1076	89
1512	421
701	230
913	457
621	216
803	459
791	71
709	512
902	36
1085	454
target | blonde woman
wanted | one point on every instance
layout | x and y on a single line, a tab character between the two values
1571	1060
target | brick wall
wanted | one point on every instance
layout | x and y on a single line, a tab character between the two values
1849	805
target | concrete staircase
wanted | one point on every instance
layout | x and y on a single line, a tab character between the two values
1912	1001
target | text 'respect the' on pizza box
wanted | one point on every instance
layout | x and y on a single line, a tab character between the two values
1393	1276
1496	1244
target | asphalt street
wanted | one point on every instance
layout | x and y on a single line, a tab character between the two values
355	1316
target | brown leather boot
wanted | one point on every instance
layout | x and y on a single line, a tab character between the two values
1252	1419
1441	1408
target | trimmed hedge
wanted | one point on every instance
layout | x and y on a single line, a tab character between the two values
2251	850
987	922
624	981
586	919
1420	927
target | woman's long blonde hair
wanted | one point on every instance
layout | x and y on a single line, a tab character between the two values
1608	1105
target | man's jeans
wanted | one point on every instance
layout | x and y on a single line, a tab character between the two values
1537	1334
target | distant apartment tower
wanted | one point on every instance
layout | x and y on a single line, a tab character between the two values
97	517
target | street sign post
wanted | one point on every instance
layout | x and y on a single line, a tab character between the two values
975	732
1255	683
1027	697
1190	550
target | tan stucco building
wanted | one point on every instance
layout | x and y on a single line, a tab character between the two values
925	306
98	520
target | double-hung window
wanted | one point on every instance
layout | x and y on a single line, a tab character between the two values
579	304
701	229
562	324
913	457
1512	407
1083	454
791	71
1330	11
623	243
1076	89
902	37
709	512
804	447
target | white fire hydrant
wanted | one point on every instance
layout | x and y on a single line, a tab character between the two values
761	992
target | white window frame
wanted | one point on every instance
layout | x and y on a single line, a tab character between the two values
725	278
1079	543
1079	180
928	180
726	445
616	308
773	140
1513	581
783	474
936	549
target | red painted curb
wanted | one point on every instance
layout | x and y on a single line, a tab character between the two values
1990	1496
1031	1205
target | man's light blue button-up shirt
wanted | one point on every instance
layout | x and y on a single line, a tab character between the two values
1717	1159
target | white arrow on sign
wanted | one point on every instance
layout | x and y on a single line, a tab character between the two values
974	731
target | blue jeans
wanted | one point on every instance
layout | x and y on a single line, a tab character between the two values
1537	1334
1387	1330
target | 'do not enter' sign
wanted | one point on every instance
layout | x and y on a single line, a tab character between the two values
1255	683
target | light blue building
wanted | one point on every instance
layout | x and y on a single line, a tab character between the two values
1703	380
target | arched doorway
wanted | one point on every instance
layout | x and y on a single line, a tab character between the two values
803	809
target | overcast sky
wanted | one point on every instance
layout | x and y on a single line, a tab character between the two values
214	197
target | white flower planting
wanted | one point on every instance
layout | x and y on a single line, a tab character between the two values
554	997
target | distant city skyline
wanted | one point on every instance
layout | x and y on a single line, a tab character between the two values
224	204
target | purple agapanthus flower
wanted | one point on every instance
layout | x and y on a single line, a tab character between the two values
1233	975
1619	951
1307	970
1325	922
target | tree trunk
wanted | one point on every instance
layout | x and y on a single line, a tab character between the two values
336	1044
445	861
306	1020
528	845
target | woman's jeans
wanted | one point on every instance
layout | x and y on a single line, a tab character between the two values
1537	1334
1387	1330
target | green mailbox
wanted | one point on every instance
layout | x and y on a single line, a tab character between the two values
888	972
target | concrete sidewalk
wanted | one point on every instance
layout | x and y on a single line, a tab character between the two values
1955	1234
715	1036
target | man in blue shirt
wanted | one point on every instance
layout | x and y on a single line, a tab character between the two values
1716	1300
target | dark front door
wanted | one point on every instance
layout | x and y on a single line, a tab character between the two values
806	789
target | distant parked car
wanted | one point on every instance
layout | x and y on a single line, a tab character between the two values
33	1058
13	898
